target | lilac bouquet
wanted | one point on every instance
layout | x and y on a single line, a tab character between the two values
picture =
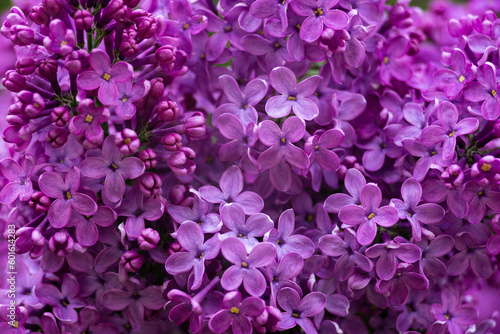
298	166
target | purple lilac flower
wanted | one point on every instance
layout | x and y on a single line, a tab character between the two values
113	168
485	91
231	183
245	265
298	310
87	232
104	77
127	95
20	185
209	222
319	149
399	285
89	121
480	198
67	197
241	138
454	81
470	253
452	313
60	40
354	181
368	215
429	213
318	13
293	96
191	238
287	242
438	247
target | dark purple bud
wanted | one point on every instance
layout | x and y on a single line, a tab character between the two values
174	248
60	116
148	156
400	16
157	88
57	137
26	66
132	261
150	184
179	193
83	19
172	142
22	35
48	69
52	7
168	111
61	243
148	239
39	15
195	125
117	10
14	81
39	202
127	141
129	47
165	55
146	27
181	161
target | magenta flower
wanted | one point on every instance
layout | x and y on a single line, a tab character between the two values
354	181
485	91
286	242
241	138
235	312
480	198
293	96
282	273
231	183
470	252
298	310
448	129
191	238
104	77
319	14
20	179
113	168
135	299
86	225
429	213
318	148
368	215
89	121
399	285
127	95
450	311
60	40
245	265
454	81
347	251
209	222
67	197
432	251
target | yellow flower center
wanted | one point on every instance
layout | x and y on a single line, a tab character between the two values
106	76
16	324
201	255
234	310
114	166
124	100
295	315
371	215
486	167
89	118
292	98
451	134
434	153
297	26
316	147
127	141
277	45
228	29
36	105
187	25
244	264
63	43
65	303
68	195
461	79
283	140
493	92
386	60
319	11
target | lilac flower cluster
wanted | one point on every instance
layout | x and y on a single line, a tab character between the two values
316	166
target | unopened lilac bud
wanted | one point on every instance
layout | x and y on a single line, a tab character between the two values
26	66
129	47
181	161
127	141
195	125
148	239
131	261
168	111
39	15
74	61
60	116
172	142
83	19
178	194
57	137
14	81
39	202
400	16
38	244
150	184
22	35
131	3
157	88
165	55
147	27
453	177
174	248
53	7
117	10
148	156
48	69
61	244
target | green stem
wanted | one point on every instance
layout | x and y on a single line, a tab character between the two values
90	41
